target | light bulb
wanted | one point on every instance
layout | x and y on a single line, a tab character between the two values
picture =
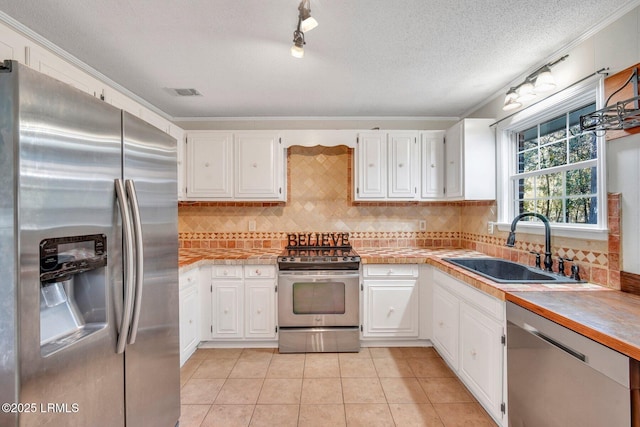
297	51
525	92
308	24
545	81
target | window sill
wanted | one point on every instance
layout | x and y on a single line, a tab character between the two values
558	230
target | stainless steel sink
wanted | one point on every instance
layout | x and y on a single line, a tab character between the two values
503	271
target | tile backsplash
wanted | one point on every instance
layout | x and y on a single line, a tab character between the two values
319	199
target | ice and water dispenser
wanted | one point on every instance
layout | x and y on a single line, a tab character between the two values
73	283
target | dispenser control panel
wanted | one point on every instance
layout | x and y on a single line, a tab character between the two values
63	256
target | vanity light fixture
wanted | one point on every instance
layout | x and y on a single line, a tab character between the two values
539	81
305	23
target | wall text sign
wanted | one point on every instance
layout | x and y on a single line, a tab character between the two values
318	240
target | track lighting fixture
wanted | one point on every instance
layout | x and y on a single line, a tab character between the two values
305	23
539	81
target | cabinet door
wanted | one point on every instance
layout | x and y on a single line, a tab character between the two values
481	356
260	303
391	309
12	45
453	160
54	66
189	321
432	161
209	166
371	166
445	324
227	307
402	165
259	169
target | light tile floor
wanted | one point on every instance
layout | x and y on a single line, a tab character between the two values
376	387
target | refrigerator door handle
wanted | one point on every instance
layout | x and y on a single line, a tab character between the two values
137	228
127	229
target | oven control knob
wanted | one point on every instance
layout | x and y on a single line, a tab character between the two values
345	258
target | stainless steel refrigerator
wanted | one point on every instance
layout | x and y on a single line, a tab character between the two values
88	260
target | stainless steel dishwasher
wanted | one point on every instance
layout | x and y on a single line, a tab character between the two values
556	377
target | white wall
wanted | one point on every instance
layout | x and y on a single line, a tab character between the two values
616	46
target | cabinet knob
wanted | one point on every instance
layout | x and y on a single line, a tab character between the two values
441	324
259	311
226	310
206	165
255	165
318	319
225	272
391	309
432	165
189	279
390	272
258	272
190	321
451	162
371	165
400	165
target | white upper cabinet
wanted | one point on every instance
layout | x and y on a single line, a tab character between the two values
235	166
12	45
371	166
209	165
402	165
47	63
386	166
258	168
470	160
432	164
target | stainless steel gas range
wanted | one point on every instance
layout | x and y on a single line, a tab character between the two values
319	295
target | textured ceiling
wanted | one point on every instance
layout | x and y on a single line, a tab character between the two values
366	58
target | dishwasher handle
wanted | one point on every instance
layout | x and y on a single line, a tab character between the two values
558	344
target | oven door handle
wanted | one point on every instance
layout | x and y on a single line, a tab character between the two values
317	276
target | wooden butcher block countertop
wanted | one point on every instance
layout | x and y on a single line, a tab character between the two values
610	317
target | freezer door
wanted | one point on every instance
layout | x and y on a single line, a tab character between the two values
68	152
152	361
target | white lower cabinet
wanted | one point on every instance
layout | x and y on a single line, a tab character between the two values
243	302
481	355
468	331
390	301
446	309
189	297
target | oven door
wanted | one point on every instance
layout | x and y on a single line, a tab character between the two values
318	298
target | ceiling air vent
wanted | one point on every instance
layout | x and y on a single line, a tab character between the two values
186	92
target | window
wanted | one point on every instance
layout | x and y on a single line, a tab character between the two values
551	167
556	173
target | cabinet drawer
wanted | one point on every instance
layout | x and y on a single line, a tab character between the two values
491	305
188	279
227	271
259	271
391	270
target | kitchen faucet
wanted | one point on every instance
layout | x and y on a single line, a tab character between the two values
511	240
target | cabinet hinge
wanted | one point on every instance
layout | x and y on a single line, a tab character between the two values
415	190
503	339
357	140
357	190
276	329
280	140
211	288
361	287
276	288
503	408
444	140
211	328
361	328
444	190
280	190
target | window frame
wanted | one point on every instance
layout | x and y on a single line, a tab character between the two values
560	103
